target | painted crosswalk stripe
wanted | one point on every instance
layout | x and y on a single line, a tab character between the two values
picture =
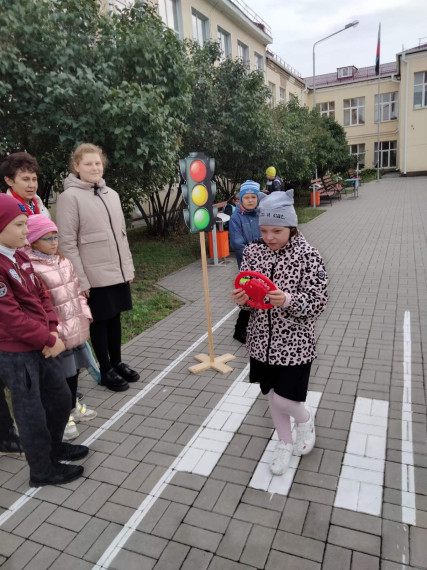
263	478
407	461
213	439
360	486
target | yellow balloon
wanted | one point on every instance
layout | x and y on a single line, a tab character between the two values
199	195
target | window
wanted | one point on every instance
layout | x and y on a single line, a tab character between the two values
327	109
259	62
200	28
359	151
272	88
387	154
420	90
224	39
282	95
388	107
345	72
168	11
354	111
243	53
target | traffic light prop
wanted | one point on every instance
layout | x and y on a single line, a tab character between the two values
198	192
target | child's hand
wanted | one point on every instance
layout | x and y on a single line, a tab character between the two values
239	296
277	297
86	293
57	348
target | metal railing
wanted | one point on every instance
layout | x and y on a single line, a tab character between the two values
283	63
253	16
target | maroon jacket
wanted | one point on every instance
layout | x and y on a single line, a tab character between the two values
27	317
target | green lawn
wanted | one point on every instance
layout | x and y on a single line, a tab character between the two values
154	258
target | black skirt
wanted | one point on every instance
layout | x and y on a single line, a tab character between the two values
288	381
107	302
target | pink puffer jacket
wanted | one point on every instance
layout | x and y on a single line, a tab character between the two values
60	280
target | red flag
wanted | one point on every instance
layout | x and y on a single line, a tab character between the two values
377	59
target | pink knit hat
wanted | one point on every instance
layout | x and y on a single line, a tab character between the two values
38	226
9	210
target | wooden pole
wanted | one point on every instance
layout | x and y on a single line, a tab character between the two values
206	362
207	300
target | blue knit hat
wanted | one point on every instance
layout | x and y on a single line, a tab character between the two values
249	187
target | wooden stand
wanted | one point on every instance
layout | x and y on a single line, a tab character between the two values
209	361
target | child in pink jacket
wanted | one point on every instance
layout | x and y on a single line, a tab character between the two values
59	279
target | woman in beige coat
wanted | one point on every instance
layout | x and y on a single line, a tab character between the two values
93	236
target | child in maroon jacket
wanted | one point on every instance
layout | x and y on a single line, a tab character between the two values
29	344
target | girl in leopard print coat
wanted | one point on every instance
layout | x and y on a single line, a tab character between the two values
281	340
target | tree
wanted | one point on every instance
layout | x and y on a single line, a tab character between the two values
308	142
230	118
69	74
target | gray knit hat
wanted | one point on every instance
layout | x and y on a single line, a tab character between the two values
278	210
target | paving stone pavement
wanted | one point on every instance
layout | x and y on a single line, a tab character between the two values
140	507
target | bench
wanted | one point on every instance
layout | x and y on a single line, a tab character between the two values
333	187
325	195
354	174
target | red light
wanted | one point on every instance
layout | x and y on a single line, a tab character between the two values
198	170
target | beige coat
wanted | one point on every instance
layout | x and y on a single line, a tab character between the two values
93	233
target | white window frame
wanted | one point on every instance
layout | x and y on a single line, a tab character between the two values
224	39
345	72
170	13
388	107
258	61
420	90
354	111
243	53
358	150
272	87
386	150
282	94
326	109
201	32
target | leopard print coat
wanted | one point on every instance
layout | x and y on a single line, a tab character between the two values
286	336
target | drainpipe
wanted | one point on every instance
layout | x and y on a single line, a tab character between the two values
405	133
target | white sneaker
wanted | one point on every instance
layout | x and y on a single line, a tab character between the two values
305	436
82	414
281	457
70	431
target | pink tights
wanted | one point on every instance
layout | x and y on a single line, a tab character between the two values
281	410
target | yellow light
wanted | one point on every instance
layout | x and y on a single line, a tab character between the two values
199	195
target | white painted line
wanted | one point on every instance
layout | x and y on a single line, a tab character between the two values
360	486
219	431
143	509
408	476
263	478
32	491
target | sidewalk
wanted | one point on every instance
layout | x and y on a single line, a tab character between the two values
177	475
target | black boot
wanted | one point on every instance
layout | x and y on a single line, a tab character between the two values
126	372
10	443
113	381
69	452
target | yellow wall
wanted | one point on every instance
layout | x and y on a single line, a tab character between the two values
415	127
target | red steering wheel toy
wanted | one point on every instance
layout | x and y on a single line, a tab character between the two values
256	286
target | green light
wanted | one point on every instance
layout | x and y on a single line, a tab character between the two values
201	218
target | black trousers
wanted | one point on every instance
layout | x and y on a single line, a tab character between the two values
106	337
242	322
6	421
41	403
